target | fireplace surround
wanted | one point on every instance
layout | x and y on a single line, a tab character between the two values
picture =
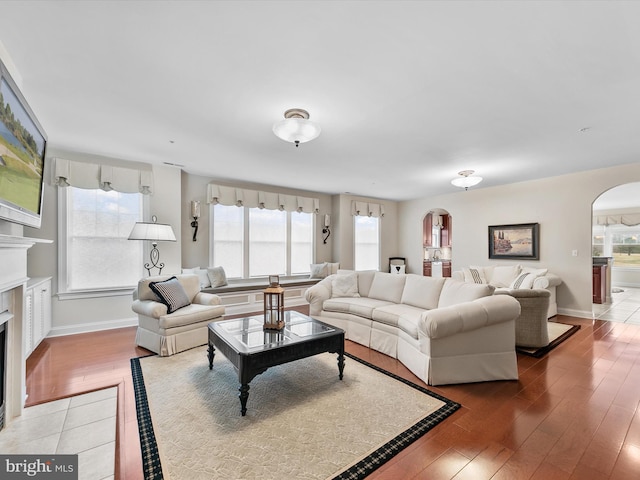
13	284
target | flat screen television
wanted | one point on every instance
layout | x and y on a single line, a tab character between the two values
23	144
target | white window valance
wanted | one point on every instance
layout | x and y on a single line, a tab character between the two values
366	209
105	177
628	219
242	197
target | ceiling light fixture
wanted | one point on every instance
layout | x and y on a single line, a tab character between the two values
466	179
296	127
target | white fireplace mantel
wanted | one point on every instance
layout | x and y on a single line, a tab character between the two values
13	281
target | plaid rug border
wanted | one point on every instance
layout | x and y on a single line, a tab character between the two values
386	452
152	467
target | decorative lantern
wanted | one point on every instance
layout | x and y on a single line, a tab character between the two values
274	305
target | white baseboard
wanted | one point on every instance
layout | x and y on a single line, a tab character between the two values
569	312
93	327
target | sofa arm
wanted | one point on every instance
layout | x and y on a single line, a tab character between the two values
207	299
467	316
149	308
546	281
317	294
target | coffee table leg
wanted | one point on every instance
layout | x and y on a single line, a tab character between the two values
340	364
244	395
211	351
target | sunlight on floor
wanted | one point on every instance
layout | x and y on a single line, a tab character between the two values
624	308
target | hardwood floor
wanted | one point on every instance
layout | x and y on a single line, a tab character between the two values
573	414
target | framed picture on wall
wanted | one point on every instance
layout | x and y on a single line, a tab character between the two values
514	241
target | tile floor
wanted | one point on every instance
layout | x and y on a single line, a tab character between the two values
624	307
83	424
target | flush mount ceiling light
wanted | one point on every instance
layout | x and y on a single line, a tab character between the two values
296	127
466	179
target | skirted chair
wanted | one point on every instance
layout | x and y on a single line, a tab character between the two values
531	325
173	314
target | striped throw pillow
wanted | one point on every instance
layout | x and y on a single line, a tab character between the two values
171	293
524	280
473	275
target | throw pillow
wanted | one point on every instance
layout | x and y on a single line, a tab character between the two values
474	275
171	293
504	276
333	268
524	280
202	275
537	272
319	270
217	277
345	285
397	269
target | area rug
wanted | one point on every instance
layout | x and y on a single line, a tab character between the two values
302	422
558	333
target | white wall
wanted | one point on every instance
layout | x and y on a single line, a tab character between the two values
562	207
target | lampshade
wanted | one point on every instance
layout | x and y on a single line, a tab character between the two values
155	232
296	127
466	179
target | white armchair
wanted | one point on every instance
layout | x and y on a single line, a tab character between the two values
164	326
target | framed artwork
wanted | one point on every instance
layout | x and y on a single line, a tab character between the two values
519	241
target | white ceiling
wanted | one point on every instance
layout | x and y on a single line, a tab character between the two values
407	93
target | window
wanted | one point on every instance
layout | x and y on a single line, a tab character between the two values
254	242
228	244
367	243
267	242
618	241
94	251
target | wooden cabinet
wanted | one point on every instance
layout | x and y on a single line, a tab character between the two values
599	286
427	237
446	269
445	233
37	318
426	269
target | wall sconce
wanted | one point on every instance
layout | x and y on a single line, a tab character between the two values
195	213
326	230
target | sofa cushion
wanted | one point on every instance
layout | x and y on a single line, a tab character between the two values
171	293
202	275
319	270
191	314
455	292
503	276
387	286
422	292
360	306
391	314
345	285
217	277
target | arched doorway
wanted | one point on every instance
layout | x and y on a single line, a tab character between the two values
615	248
437	234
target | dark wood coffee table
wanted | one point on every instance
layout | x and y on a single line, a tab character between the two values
253	350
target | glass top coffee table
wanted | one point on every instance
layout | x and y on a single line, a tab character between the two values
252	350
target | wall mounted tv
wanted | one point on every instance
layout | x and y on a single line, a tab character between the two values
23	144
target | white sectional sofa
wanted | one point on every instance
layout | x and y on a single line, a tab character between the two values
513	277
445	331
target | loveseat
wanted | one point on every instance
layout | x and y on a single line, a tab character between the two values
445	331
507	278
